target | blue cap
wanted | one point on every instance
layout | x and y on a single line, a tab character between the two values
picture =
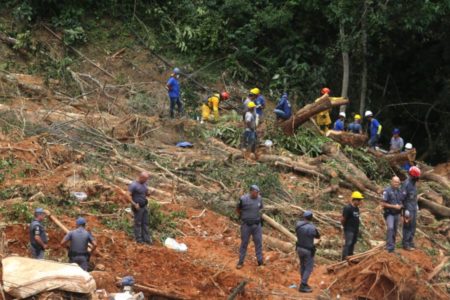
81	221
307	214
396	131
39	211
127	281
254	187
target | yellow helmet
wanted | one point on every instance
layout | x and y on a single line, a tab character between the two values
255	91
251	104
357	195
357	117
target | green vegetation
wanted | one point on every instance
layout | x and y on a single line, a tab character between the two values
303	142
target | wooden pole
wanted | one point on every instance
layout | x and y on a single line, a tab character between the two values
438	269
237	290
279	227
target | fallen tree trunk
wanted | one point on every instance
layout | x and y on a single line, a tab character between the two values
304	114
279	227
8	40
356	257
237	290
431	176
348	170
396	159
292	164
438	269
438	210
275	243
348	138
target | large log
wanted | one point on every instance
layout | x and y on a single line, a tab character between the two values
348	170
438	268
396	159
279	227
431	176
296	166
438	210
304	114
275	243
348	138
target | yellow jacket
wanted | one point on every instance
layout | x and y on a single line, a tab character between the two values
212	103
323	118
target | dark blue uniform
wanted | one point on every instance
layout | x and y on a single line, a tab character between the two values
78	251
306	232
351	229
139	195
409	190
37	229
251	226
392	216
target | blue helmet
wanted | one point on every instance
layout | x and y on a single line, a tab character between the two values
127	281
396	131
81	221
307	214
39	211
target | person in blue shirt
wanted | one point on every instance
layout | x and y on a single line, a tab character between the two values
339	124
409	164
355	127
397	142
283	109
260	103
173	87
374	129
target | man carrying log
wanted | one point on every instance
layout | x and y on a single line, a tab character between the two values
410	204
79	240
248	210
38	236
397	143
374	129
392	204
355	127
139	192
306	233
350	221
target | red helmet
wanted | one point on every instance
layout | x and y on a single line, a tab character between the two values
224	95
325	90
414	172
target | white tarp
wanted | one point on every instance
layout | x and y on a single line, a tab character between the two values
24	277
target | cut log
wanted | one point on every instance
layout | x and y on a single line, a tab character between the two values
304	114
438	269
431	176
396	159
7	39
275	243
280	228
355	258
237	290
348	170
439	211
296	166
348	138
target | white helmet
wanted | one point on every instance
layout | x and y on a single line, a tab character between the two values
342	114
368	113
408	146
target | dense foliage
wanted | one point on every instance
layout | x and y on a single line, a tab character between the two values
297	45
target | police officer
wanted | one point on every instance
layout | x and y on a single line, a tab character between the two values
79	240
410	205
392	204
350	221
139	192
306	233
38	236
248	209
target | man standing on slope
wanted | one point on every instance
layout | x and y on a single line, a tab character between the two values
260	104
306	233
139	192
350	221
248	209
392	204
173	87
38	236
410	204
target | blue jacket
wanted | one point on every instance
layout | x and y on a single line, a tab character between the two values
284	105
174	87
354	127
409	190
373	129
260	101
338	125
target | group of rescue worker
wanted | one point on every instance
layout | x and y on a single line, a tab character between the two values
399	206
